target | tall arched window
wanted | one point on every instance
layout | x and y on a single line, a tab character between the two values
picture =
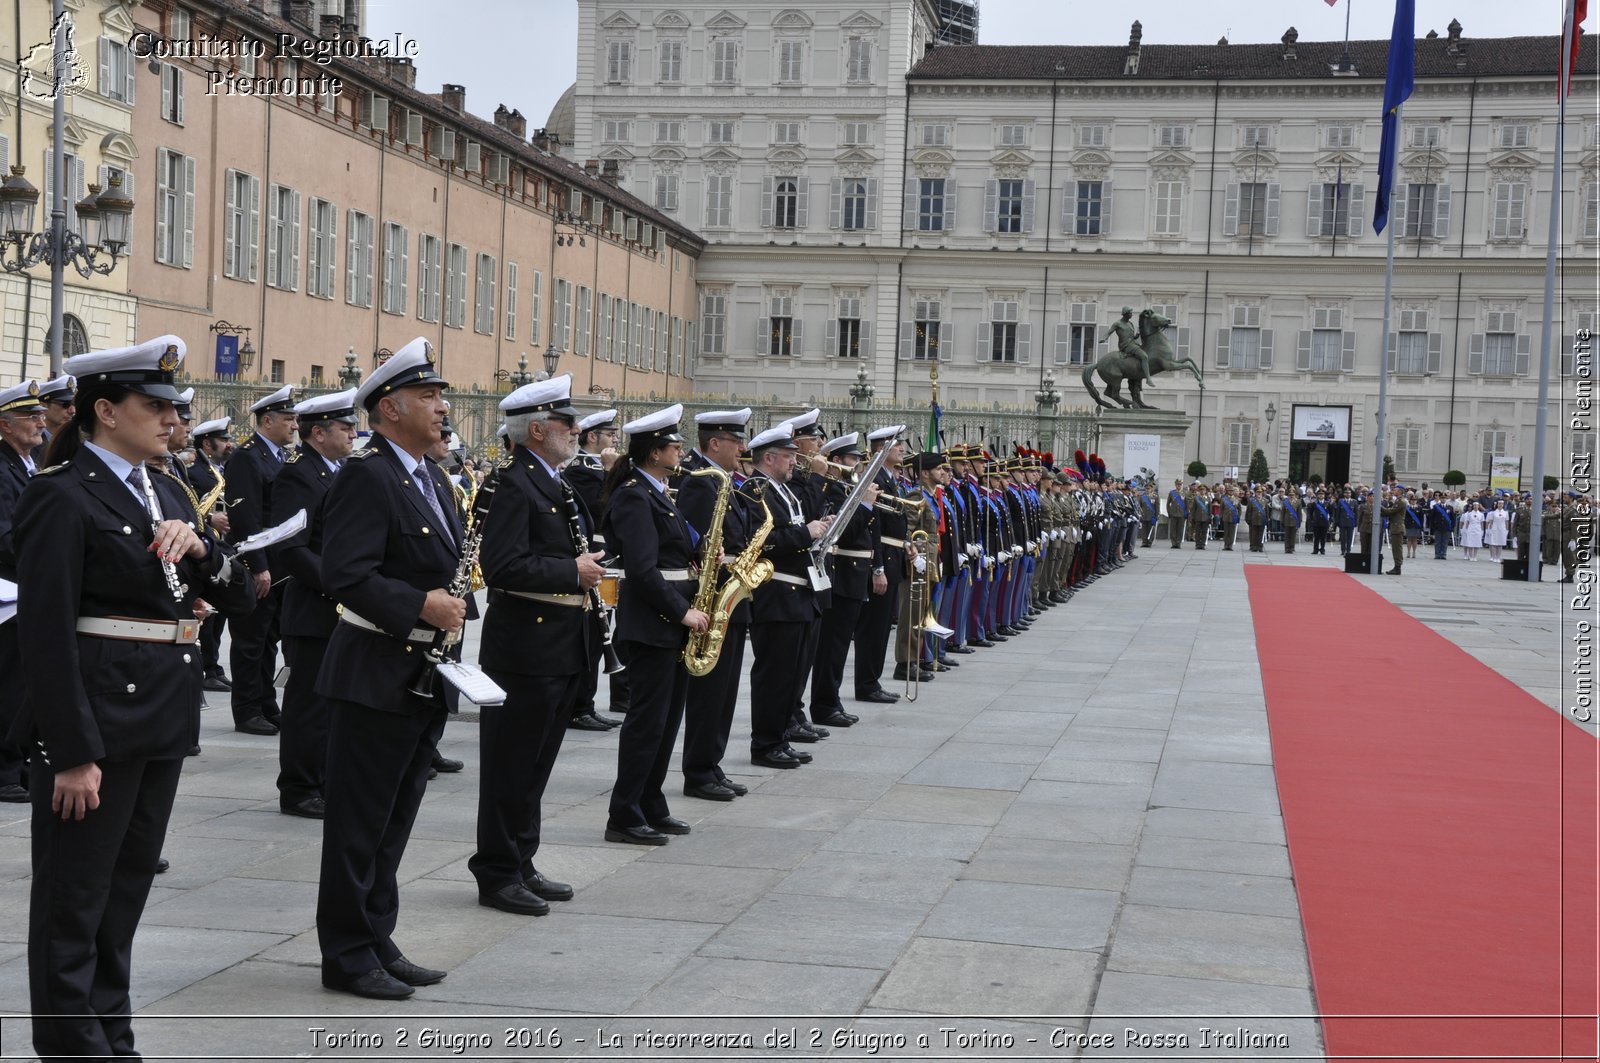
75	338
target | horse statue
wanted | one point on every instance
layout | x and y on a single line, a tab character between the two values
1117	366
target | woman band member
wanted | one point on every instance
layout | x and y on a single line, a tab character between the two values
654	618
111	560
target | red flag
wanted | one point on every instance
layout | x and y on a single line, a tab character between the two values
1571	32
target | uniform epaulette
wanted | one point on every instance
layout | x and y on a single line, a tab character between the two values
631	483
53	469
505	462
362	454
293	457
247	444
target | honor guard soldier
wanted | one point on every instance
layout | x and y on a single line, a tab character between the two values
783	609
22	416
110	561
1394	516
597	440
888	571
1293	517
654	617
540	569
713	697
1257	512
921	518
60	405
1230	516
253	656
391	548
1177	514
854	557
809	484
327	427
211	449
1199	503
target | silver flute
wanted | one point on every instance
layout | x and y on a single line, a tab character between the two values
168	568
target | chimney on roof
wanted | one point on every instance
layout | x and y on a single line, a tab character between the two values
1130	63
330	26
402	70
500	116
517	125
303	13
352	18
591	167
547	140
1289	40
611	173
455	98
1456	45
1222	42
1433	35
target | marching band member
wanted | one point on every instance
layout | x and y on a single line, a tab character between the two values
712	698
22	418
597	440
877	615
924	519
654	616
58	395
537	578
327	427
105	765
211	449
391	548
853	560
809	484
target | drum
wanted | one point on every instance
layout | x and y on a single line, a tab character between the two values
610	586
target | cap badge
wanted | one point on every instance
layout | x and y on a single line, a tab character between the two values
169	359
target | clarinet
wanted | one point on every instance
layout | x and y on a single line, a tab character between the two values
168	568
580	543
460	586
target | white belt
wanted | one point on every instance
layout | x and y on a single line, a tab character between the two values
577	601
417	634
784	577
106	627
900	543
852	553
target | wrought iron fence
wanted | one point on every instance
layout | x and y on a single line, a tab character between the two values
475	415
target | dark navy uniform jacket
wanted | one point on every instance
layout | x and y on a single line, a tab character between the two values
788	547
250	472
653	538
308	610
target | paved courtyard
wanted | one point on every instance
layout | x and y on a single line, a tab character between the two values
1070	847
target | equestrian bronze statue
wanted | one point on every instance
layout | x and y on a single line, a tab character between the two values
1142	352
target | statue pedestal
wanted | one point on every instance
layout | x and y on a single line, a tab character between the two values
1132	440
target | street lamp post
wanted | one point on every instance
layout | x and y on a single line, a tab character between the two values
104	217
552	358
349	374
521	376
1048	400
861	397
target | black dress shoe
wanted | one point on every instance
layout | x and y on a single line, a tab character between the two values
945	662
306	807
879	697
548	888
1010	632
711	791
739	789
256	725
997	636
587	722
411	974
272	714
960	649
900	675
192	751
795	734
670	825
162	865
216	684
839	718
775	758
446	765
376	984
609	723
433	773
981	644
13	793
636	835
516	899
800	755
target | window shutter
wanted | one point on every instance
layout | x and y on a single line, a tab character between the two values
795	346
1475	354
947	340
1266	348
188	211
105	66
1025	343
1314	210
835	203
768	191
230	266
179	87
1441	213
802	202
1524	354
351	285
1030	191
1069	207
1347	353
413	127
908	340
912	205
991	206
1182	349
1063	343
1302	354
166	92
1105	206
1393	348
294	243
1435	352
1591	211
872	205
273	239
162	168
1274	208
763	339
1224	346
1230	210
405	271
1399	198
830	338
983	341
1357	214
949	204
866	338
252	221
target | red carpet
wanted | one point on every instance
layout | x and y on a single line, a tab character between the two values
1442	830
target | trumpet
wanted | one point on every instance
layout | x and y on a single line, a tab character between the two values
835	471
908	506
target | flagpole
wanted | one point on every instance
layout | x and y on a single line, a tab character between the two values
1542	421
1374	561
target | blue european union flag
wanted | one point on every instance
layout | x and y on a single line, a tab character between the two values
1397	88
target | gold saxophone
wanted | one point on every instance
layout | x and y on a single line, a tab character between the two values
746	572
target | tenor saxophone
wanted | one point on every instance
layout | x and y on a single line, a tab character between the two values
747	571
